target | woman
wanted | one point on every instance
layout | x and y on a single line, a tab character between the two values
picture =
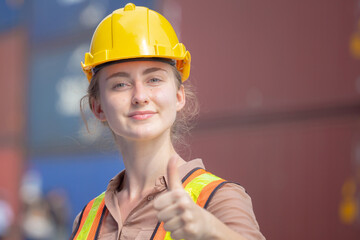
137	68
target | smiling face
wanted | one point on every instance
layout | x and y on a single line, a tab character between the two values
139	100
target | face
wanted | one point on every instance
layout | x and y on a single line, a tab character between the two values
139	100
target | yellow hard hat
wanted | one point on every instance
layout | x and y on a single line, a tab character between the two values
135	32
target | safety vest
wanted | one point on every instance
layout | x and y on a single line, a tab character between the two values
198	183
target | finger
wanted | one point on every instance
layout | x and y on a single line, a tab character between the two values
169	198
173	175
178	234
169	212
163	201
173	224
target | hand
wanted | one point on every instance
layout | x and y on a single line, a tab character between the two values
181	216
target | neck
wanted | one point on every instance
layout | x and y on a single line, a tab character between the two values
144	162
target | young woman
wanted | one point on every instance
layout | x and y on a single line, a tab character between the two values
137	68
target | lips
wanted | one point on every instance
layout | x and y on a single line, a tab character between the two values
141	115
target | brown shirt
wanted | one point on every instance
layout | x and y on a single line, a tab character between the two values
230	204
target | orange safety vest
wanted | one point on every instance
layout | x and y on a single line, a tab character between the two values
198	183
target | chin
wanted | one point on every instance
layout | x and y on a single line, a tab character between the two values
144	134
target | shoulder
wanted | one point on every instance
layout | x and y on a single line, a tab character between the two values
232	190
228	195
93	206
233	206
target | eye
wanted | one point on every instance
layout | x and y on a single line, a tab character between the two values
120	85
155	80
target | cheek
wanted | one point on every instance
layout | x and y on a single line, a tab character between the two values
114	104
165	98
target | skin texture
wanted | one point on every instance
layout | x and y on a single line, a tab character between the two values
139	86
139	101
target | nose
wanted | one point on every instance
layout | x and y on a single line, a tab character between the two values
140	95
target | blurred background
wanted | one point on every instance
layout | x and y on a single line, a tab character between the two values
279	87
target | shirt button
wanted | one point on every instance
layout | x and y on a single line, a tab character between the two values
149	198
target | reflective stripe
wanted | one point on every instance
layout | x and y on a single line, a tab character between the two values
93	214
168	236
195	187
83	218
207	190
193	175
96	221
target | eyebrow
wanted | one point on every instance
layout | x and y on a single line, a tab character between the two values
125	74
153	69
118	74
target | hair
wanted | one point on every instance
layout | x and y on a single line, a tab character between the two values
185	118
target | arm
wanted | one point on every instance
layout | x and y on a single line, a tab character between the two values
233	207
217	230
186	220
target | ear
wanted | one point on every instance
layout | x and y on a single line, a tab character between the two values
180	95
97	110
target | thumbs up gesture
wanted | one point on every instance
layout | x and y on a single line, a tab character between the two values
181	216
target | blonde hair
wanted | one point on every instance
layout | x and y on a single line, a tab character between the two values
185	119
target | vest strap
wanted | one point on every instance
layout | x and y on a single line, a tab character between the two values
91	219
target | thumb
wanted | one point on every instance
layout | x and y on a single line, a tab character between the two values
174	181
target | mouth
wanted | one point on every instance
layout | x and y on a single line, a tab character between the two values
141	115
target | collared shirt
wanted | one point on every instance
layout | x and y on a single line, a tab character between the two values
230	204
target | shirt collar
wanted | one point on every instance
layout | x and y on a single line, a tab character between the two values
184	169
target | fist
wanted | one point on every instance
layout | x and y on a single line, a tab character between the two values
181	216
